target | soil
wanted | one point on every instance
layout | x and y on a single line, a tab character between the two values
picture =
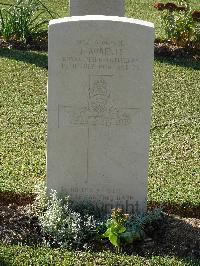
166	49
162	48
174	234
39	42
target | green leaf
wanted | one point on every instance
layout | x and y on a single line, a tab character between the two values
107	233
114	240
121	229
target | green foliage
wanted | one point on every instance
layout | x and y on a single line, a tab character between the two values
115	226
122	227
23	19
180	27
113	232
64	227
135	226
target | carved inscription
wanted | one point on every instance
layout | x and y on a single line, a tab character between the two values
105	199
99	55
100	110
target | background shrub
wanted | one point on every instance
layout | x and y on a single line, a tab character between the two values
180	22
23	19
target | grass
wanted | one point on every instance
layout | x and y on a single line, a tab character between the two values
173	173
16	255
174	166
23	120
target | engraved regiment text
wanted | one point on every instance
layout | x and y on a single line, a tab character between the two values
99	55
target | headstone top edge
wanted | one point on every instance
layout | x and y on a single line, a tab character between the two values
101	18
97	7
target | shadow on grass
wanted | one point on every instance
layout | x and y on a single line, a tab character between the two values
39	59
185	209
4	262
18	199
182	62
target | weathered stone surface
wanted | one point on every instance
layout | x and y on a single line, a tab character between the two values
97	7
99	100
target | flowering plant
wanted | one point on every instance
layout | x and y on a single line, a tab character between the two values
180	22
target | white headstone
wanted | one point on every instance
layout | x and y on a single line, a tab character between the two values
99	101
97	7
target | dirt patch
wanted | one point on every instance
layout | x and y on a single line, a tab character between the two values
172	235
183	210
17	227
39	42
15	199
164	48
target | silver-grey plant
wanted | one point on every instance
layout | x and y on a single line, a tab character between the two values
61	225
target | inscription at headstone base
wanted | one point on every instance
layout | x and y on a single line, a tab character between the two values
99	101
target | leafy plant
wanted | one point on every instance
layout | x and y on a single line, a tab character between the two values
124	228
60	224
64	227
179	22
179	26
21	20
116	226
135	226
